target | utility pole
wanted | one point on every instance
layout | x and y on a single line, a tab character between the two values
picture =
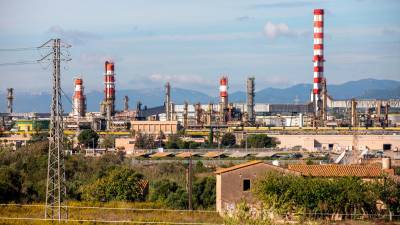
55	208
190	181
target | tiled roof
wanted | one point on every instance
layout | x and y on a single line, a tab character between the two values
254	162
333	170
224	170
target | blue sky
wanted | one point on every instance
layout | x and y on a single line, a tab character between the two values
191	43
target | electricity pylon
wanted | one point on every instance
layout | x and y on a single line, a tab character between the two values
55	208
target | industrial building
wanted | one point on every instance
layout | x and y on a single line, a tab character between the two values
323	113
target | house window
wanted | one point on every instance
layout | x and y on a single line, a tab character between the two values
330	146
246	185
131	142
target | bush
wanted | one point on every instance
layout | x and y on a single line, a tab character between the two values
228	140
259	141
119	184
288	194
170	194
10	184
204	193
88	138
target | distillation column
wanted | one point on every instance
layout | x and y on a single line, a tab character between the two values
167	101
10	98
250	100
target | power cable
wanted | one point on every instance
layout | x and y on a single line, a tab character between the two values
18	63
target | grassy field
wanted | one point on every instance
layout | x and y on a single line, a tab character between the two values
79	213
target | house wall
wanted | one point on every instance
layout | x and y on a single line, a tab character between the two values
340	142
230	186
128	144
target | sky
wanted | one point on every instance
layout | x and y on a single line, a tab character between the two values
192	43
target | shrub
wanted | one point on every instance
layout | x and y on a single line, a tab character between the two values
119	184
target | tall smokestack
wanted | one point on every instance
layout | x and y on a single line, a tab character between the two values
318	59
79	99
126	103
185	115
223	91
223	94
250	99
167	101
10	98
109	90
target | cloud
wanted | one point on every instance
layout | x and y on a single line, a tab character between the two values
243	18
75	37
192	37
293	4
391	31
273	31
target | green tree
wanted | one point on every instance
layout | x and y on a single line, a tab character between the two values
89	138
228	140
144	141
259	141
169	193
161	189
119	184
108	142
10	184
173	142
204	194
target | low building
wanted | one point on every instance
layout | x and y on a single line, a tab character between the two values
126	144
32	125
155	127
339	142
234	183
14	141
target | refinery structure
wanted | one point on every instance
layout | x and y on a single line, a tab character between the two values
321	115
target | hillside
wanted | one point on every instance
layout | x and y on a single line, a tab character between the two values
366	88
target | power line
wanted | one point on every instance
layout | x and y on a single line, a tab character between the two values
18	63
106	221
18	49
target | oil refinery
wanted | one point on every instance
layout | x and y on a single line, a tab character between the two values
322	115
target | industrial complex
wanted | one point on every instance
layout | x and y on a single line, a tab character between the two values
322	123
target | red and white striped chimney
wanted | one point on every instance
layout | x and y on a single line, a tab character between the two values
109	82
318	57
79	99
223	90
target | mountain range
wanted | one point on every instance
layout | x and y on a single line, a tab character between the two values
362	89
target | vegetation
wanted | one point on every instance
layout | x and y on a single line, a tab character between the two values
121	184
116	211
228	140
108	142
175	142
88	138
318	196
144	141
259	141
110	177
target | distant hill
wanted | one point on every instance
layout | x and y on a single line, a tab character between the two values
366	88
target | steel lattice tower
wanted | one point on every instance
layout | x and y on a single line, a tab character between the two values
55	188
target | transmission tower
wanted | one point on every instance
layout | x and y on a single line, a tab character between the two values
55	208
